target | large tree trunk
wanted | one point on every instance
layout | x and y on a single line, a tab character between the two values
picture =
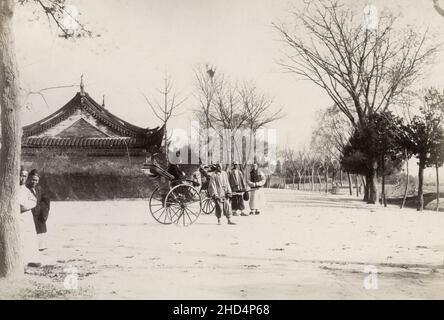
407	181
437	186
383	197
299	181
312	179
356	185
11	260
365	185
371	184
340	175
304	180
326	179
350	189
420	203
334	178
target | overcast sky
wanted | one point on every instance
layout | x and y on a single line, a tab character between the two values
141	39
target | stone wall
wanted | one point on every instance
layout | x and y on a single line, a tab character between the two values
90	174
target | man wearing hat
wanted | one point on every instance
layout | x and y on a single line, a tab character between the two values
219	189
176	171
41	211
237	184
256	182
28	202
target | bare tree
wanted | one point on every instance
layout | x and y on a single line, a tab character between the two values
322	156
227	114
329	137
290	164
438	8
301	164
257	108
311	161
223	105
371	68
11	261
208	83
166	109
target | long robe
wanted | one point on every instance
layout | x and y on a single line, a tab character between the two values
41	212
29	237
256	182
237	184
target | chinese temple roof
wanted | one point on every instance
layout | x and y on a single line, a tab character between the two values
83	123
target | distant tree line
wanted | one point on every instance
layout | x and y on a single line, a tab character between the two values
368	73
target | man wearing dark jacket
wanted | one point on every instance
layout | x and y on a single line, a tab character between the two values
237	184
41	211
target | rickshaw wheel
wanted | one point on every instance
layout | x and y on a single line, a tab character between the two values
157	208
183	204
208	204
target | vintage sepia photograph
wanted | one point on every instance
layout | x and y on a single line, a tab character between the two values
221	150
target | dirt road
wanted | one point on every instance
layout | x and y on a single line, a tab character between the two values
303	246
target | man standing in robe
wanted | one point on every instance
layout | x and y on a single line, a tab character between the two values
41	211
237	184
28	202
256	182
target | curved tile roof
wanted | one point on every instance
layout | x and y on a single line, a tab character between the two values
132	136
81	142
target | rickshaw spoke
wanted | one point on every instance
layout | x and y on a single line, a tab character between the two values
156	204
157	210
171	215
188	216
188	210
163	212
172	203
179	216
174	213
166	214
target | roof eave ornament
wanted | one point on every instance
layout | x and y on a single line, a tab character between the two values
82	86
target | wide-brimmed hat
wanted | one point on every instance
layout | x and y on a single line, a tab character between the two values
34	173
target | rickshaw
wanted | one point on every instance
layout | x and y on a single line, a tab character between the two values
176	201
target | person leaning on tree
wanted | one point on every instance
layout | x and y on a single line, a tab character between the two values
28	201
41	211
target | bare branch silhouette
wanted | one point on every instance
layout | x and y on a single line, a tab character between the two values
438	8
166	109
